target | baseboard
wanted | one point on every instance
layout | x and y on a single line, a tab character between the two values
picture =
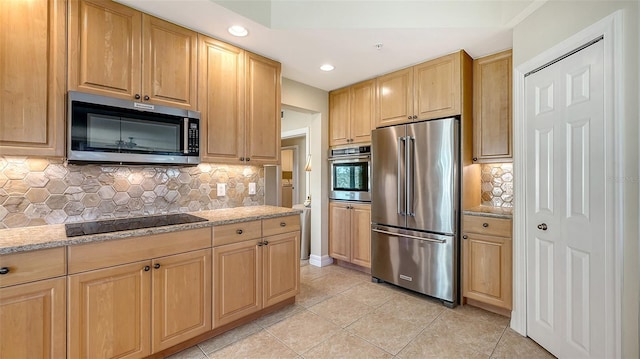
319	261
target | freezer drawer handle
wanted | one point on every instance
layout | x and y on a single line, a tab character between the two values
409	236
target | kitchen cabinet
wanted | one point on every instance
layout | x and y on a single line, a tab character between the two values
351	111
492	108
33	70
433	89
487	258
239	93
120	52
33	304
160	298
256	264
350	232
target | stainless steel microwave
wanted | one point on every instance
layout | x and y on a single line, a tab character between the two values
105	129
350	174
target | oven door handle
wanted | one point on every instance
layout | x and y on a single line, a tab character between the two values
350	158
185	135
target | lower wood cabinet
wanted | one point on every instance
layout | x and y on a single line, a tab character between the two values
487	256
132	310
350	232
33	320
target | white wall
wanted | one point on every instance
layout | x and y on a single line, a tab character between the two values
555	21
304	98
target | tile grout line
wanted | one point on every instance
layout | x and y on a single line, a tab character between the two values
498	342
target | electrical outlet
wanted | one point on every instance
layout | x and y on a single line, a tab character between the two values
221	189
252	188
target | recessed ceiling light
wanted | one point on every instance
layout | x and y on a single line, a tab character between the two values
326	67
237	30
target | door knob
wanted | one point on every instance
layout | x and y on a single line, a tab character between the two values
542	226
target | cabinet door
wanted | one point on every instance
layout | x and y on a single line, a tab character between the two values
33	320
395	98
361	235
169	64
104	48
339	117
262	110
437	87
221	98
339	231
32	69
109	312
181	298
237	281
487	271
281	267
362	110
492	108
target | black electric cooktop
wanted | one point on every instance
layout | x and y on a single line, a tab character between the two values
125	224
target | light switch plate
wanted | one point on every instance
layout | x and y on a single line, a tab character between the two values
252	188
221	189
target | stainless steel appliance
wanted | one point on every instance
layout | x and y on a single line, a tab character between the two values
105	129
351	173
126	224
415	207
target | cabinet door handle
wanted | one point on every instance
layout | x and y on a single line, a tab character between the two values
248	159
409	117
147	268
239	231
415	117
156	266
137	96
485	225
4	270
283	224
146	97
260	244
464	236
265	242
242	159
475	159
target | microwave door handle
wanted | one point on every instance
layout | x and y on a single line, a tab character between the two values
400	193
185	136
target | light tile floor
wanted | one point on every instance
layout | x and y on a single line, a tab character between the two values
340	313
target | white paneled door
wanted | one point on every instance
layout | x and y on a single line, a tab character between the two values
565	205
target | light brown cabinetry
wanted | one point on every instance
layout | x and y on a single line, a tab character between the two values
492	108
239	93
432	89
162	297
117	51
351	111
350	232
33	306
486	258
254	269
32	69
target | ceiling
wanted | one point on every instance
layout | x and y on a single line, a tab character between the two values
304	34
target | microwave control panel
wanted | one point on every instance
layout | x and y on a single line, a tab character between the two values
193	145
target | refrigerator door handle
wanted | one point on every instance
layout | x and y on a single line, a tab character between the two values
410	158
401	193
408	236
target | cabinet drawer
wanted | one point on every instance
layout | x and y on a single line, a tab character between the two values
236	232
31	266
280	225
487	225
91	256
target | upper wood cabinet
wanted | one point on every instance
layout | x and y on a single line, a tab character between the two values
117	51
432	89
492	108
351	112
239	93
32	69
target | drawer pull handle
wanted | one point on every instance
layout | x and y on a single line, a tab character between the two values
485	225
542	226
4	270
239	231
156	266
282	224
147	268
260	244
265	242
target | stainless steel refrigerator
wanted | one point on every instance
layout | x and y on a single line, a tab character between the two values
415	207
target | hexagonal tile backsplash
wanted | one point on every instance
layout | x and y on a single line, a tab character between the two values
36	191
497	185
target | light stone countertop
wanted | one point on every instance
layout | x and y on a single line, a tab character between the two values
24	239
489	211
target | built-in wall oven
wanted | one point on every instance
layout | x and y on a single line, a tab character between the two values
351	173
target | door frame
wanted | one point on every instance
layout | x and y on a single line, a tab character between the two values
295	170
301	132
611	28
